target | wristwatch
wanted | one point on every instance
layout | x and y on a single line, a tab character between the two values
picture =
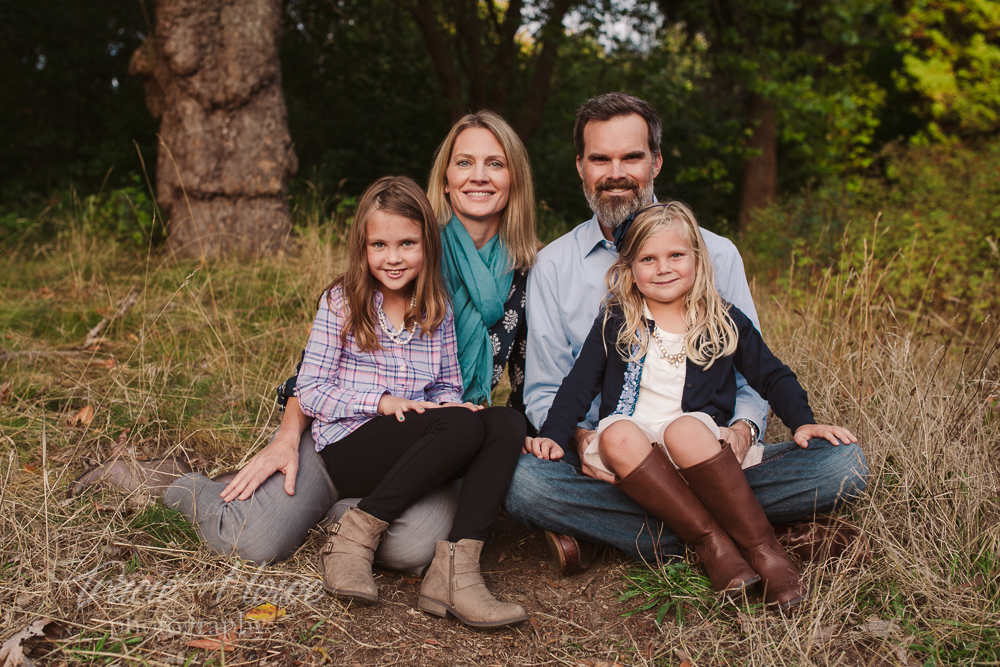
754	430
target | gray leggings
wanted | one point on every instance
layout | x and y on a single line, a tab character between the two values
270	525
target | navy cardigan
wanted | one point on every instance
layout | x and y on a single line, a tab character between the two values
601	368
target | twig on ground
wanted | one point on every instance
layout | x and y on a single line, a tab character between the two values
94	334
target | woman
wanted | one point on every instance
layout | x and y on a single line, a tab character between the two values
481	189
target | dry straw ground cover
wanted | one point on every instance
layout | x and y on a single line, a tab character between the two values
190	370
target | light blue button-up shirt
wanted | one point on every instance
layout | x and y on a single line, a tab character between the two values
565	289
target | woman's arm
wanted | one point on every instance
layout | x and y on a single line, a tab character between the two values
280	455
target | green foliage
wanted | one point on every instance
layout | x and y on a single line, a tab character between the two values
933	251
951	60
673	588
126	215
166	527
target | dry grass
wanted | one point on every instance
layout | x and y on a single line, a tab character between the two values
191	368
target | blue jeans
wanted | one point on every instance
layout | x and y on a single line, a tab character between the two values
791	484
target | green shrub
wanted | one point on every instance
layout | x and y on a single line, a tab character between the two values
925	228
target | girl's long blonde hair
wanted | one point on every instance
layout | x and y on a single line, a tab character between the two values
397	195
711	333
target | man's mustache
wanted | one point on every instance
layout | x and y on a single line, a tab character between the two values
624	183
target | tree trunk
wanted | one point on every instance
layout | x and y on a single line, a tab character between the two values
212	77
760	174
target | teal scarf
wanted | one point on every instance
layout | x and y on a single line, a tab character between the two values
479	281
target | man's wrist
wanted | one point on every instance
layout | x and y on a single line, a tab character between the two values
754	429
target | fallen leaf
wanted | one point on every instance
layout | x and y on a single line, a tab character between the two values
107	363
825	633
433	642
132	337
877	626
12	651
5	392
265	613
31	467
83	417
44	293
224	642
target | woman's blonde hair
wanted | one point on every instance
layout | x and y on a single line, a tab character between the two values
396	195
711	332
517	225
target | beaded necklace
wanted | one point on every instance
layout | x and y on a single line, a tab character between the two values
407	334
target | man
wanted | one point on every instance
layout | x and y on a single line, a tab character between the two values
617	139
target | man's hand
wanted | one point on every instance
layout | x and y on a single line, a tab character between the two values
393	405
583	438
738	436
834	434
542	448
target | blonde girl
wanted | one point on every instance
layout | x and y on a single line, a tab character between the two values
663	355
381	378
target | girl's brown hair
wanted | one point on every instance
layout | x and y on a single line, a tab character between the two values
396	195
517	225
711	332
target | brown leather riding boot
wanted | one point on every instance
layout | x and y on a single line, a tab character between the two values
656	486
453	585
348	555
720	483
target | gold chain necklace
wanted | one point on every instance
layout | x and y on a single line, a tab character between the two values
672	359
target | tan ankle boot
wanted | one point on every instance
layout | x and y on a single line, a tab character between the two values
723	488
453	585
348	554
656	486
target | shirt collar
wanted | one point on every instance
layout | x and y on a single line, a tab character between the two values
593	238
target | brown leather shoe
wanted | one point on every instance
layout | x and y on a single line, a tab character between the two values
574	556
823	538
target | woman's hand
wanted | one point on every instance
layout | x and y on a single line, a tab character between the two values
475	407
834	434
542	448
280	455
393	405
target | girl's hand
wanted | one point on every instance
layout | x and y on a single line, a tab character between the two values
475	407
280	455
542	448
834	434
393	405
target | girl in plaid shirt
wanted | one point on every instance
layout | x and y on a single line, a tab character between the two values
381	377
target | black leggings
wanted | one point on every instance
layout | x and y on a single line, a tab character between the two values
391	464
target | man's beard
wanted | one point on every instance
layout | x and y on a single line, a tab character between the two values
612	210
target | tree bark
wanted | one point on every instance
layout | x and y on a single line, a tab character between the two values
211	75
760	174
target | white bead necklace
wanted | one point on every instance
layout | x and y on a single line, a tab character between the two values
672	359
407	334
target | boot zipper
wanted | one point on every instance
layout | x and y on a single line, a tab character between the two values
451	573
